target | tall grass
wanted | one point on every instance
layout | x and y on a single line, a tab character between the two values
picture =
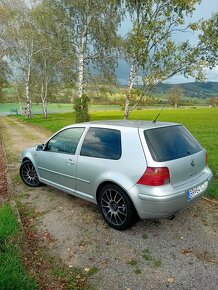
13	274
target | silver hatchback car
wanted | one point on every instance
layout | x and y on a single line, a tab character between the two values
130	169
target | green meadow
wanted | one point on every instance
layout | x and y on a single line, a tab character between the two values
201	122
54	108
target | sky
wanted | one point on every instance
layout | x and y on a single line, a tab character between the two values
204	10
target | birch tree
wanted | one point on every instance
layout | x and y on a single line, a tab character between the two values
8	16
19	39
24	48
93	36
151	49
54	56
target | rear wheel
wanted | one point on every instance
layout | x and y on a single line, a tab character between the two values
116	207
29	175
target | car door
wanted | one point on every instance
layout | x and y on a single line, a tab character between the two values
56	164
99	153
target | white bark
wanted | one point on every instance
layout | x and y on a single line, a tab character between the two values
27	80
132	74
44	89
27	92
81	58
44	93
81	74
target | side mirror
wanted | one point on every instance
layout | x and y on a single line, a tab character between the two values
40	147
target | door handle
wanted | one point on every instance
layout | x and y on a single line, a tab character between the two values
70	161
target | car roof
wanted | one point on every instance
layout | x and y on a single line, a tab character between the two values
129	123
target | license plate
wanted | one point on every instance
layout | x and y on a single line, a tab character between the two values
197	190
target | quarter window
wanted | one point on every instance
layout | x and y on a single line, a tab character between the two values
66	141
102	143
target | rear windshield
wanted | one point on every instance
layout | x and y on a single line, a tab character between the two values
169	143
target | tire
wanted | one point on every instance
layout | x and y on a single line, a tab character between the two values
116	207
29	175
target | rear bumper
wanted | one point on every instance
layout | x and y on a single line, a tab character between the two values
164	201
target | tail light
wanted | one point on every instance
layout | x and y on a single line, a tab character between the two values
155	176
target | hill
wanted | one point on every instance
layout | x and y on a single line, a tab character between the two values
194	89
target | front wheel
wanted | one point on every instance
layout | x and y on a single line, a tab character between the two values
116	207
29	175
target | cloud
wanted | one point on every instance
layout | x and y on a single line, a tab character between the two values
203	10
212	74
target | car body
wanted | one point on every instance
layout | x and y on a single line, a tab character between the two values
129	168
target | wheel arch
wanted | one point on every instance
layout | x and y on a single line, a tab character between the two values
30	158
25	159
28	173
107	182
131	218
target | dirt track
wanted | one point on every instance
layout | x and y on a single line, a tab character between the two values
176	254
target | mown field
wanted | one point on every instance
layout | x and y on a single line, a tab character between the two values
203	124
54	108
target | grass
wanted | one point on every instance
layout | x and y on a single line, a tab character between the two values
144	236
132	262
54	121
13	274
54	108
157	263
146	255
76	278
201	122
137	271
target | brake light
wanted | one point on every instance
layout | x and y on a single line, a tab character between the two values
155	176
206	159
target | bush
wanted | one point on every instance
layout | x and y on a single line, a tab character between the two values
81	109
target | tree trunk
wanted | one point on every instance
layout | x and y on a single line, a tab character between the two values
45	104
81	74
44	89
28	108
132	75
80	107
83	40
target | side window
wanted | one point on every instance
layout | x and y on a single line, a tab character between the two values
66	141
102	143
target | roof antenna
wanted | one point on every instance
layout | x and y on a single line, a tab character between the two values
155	120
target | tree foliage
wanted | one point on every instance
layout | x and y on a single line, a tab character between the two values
213	102
54	59
93	35
150	47
76	43
175	95
208	40
81	109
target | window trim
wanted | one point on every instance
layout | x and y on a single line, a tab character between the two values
154	154
59	132
103	128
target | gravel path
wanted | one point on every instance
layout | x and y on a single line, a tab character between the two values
163	254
